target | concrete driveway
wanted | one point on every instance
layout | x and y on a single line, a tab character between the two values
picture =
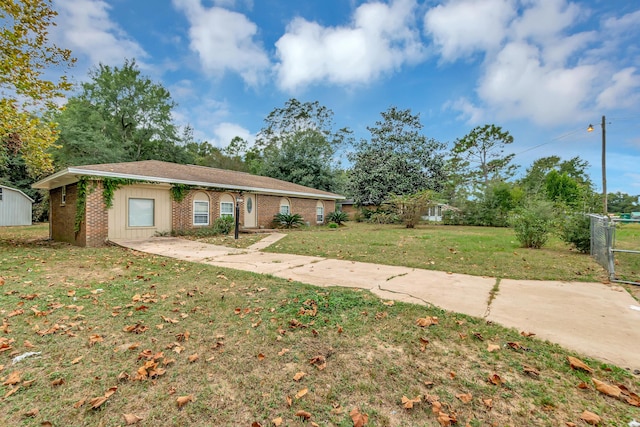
601	321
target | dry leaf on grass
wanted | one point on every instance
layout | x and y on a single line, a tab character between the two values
492	347
183	400
301	393
465	397
488	403
579	364
14	378
423	344
495	379
256	424
359	419
131	419
193	358
408	403
277	422
298	376
427	321
57	382
531	371
76	360
590	418
261	357
319	361
303	414
608	389
446	419
31	413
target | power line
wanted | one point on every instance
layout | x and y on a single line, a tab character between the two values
550	141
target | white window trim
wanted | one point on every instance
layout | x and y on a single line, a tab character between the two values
129	213
319	214
206	202
222	213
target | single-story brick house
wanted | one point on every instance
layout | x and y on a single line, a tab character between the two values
152	196
15	207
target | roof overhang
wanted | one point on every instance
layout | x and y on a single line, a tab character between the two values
71	175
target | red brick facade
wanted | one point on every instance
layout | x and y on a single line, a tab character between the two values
95	225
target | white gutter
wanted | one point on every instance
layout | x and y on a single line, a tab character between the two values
185	182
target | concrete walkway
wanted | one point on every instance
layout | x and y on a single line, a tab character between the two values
601	321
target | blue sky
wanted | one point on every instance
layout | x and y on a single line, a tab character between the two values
542	69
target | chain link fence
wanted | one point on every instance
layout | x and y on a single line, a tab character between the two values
603	250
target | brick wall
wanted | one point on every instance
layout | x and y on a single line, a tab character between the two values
183	211
96	223
62	217
268	206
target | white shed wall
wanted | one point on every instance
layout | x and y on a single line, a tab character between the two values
15	207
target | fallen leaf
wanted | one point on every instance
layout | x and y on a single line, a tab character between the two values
492	348
527	334
76	360
27	344
579	364
256	424
607	389
583	385
298	376
283	351
478	335
531	371
590	418
495	379
465	398
423	344
408	403
303	414
359	419
193	358
301	393
261	357
79	403
96	402
488	403
389	303
131	419
57	382
427	321
319	361
46	424
93	339
445	419
289	401
31	413
570	424
277	422
14	378
183	400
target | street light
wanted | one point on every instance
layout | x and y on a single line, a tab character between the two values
604	162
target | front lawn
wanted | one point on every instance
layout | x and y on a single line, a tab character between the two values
479	251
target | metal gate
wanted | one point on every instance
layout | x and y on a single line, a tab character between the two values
603	250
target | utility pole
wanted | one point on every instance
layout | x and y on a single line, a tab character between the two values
604	166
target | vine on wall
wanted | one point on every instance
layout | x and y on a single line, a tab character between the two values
86	185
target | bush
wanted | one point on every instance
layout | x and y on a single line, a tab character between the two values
287	220
576	231
333	225
223	225
338	217
533	224
384	218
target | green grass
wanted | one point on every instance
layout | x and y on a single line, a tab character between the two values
479	251
373	350
628	265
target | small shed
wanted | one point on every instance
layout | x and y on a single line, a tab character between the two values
15	207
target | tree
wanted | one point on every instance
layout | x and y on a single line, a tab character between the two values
298	144
120	116
623	202
305	158
410	207
25	56
397	160
481	156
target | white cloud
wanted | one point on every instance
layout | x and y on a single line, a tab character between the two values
469	112
623	90
460	28
224	41
381	38
534	65
84	26
225	132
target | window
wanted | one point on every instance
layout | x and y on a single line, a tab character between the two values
63	197
200	212
285	207
319	212
226	209
141	212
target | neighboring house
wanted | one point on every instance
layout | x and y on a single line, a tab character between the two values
159	197
15	207
434	213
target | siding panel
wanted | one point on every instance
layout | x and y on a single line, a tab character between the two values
15	208
118	227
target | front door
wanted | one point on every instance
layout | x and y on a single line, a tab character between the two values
250	210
